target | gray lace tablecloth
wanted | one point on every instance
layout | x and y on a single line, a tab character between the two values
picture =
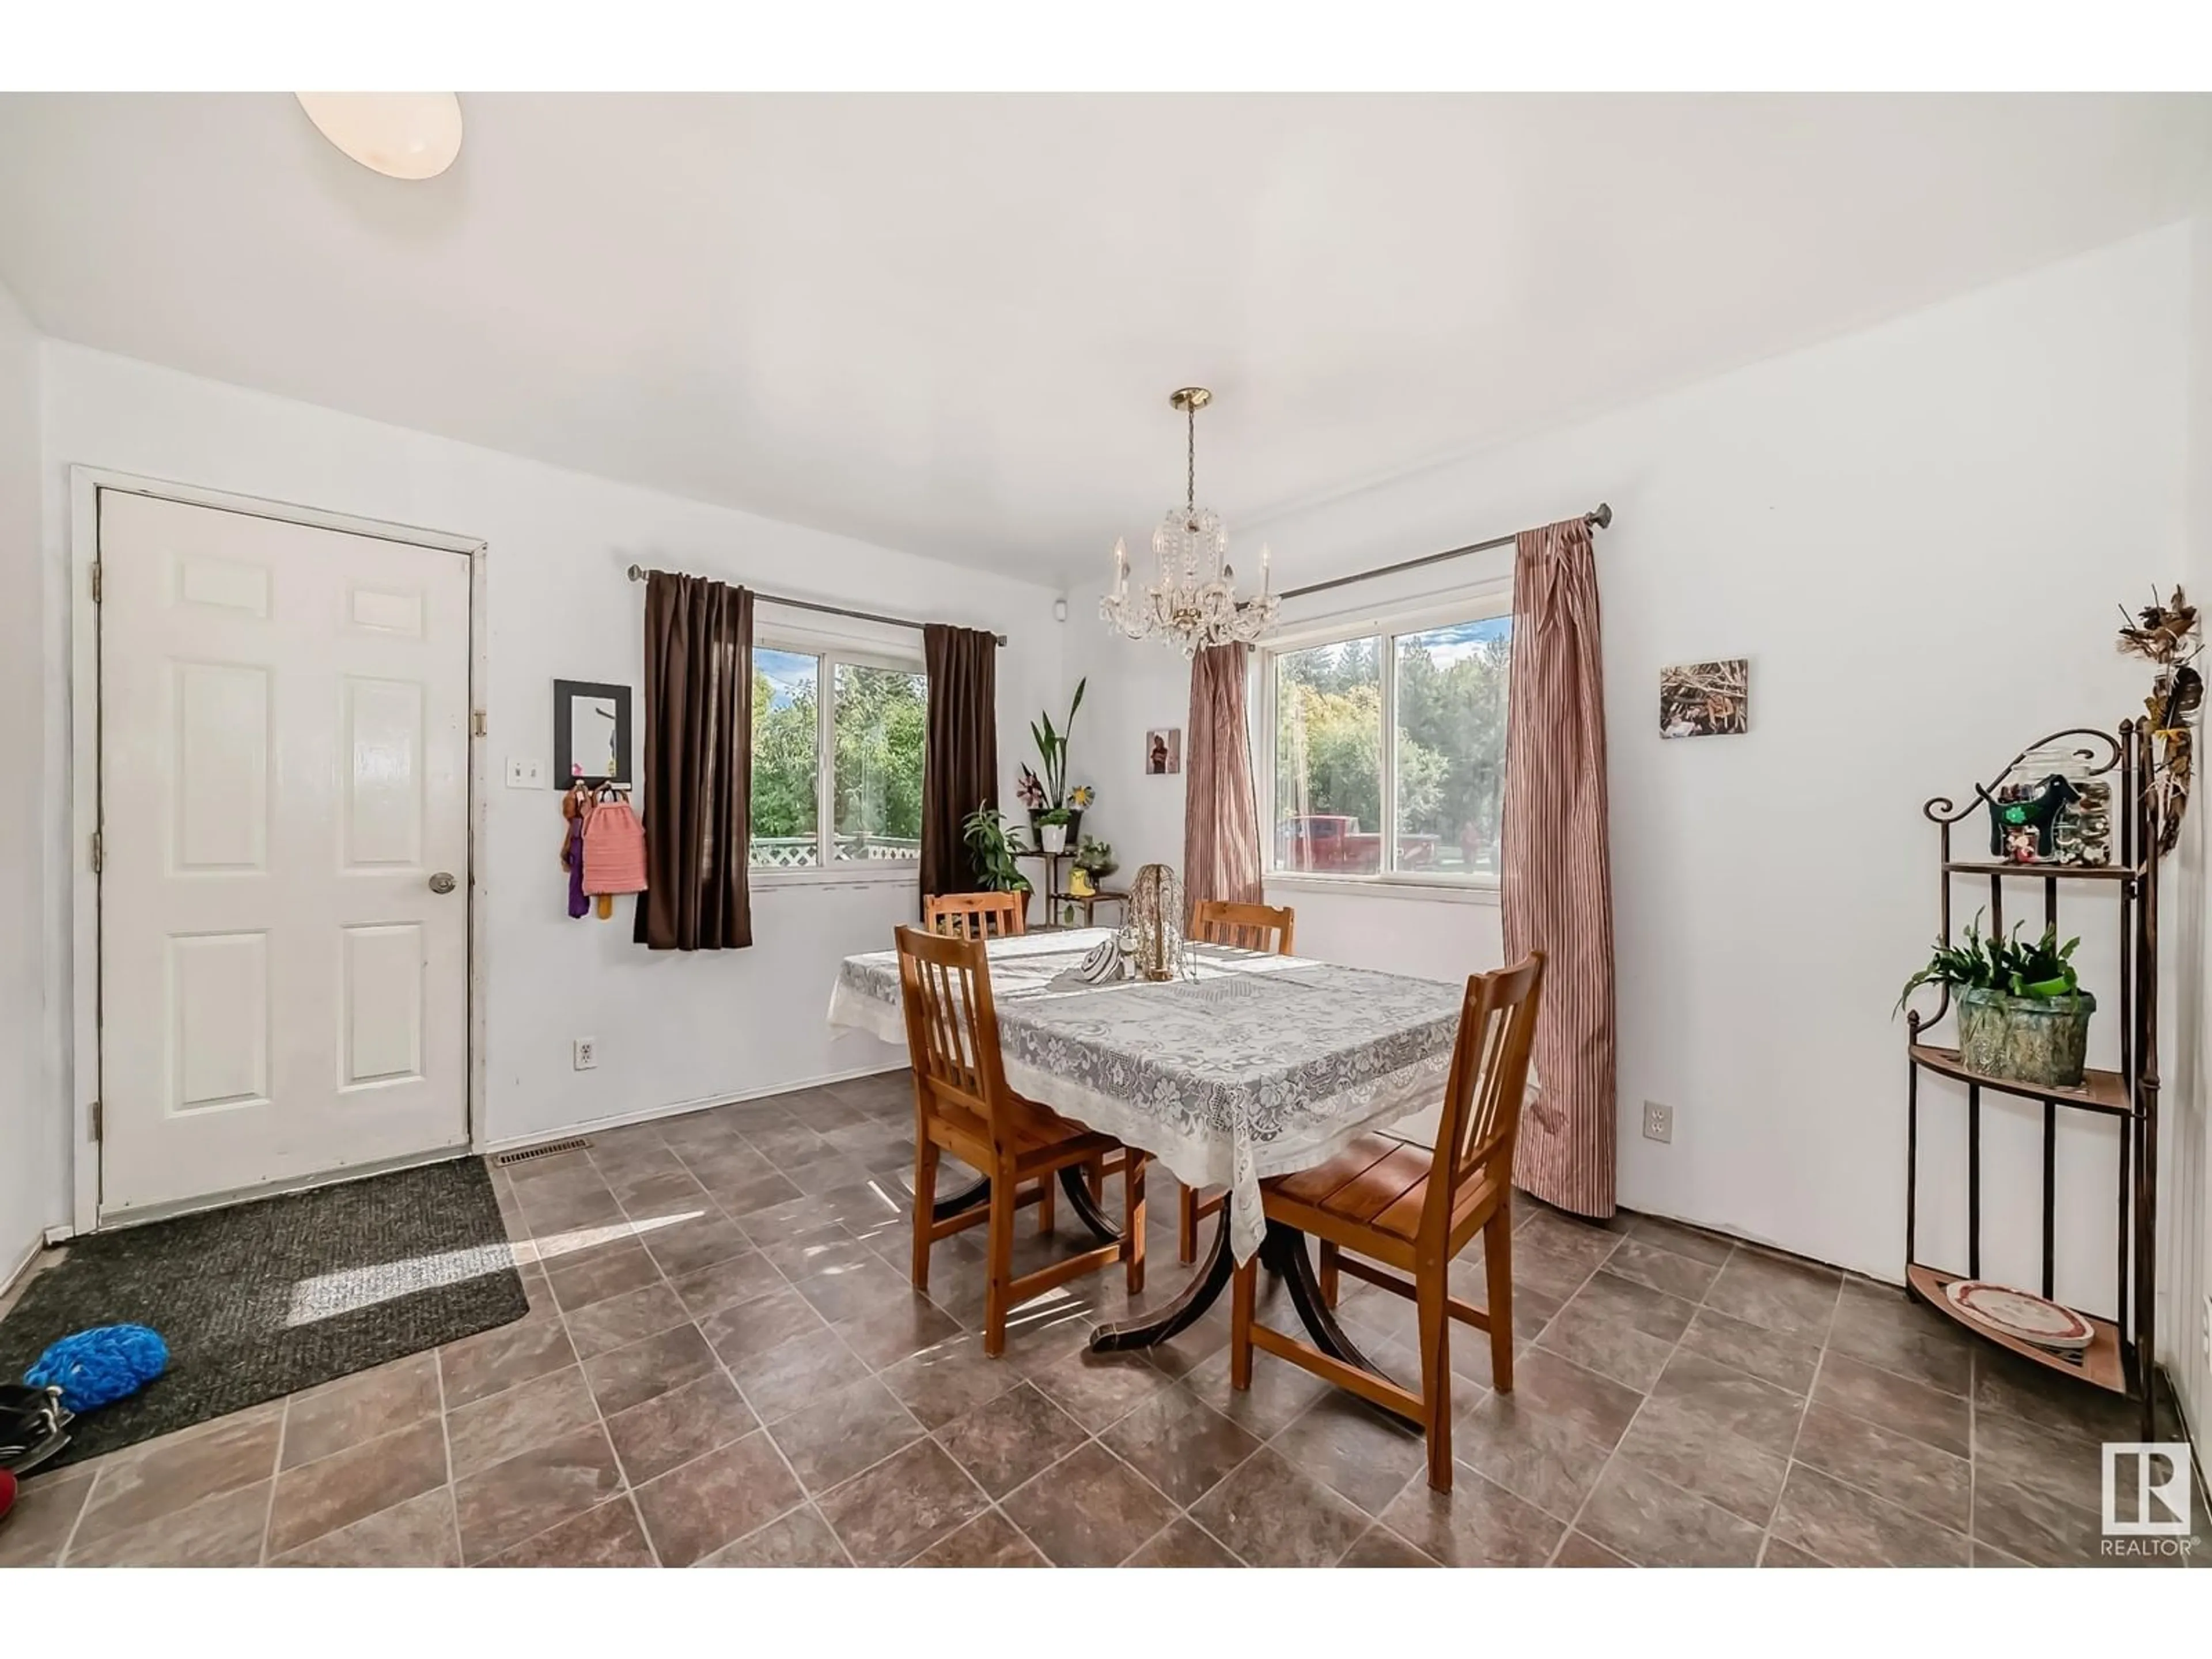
1250	1065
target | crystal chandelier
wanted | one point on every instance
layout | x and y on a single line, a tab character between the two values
1193	603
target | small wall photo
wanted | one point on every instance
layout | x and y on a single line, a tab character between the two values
1706	699
1163	751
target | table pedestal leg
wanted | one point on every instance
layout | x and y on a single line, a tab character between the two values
978	1192
1075	1182
1283	1251
1204	1288
975	1194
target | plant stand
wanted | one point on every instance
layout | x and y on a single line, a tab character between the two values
1055	894
2122	1355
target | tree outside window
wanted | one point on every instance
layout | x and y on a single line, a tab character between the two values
871	798
1442	766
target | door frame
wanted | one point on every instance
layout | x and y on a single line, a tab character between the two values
85	483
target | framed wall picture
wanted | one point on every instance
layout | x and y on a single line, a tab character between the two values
1706	699
591	733
1163	751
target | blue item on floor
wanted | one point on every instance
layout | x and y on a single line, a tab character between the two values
97	1367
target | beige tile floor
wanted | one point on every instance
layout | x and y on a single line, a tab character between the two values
724	1365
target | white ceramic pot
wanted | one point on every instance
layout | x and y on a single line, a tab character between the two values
1052	837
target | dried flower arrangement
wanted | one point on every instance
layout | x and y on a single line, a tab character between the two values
2167	636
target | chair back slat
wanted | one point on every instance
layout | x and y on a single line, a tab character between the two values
953	1026
977	915
1246	927
1483	1093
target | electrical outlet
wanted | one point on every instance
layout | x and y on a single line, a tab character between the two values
1658	1122
525	774
586	1051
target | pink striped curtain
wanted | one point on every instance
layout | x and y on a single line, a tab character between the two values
1220	819
1558	882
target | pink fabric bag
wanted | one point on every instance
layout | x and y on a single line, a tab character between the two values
614	849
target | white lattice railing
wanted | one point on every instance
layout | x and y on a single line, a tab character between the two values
804	852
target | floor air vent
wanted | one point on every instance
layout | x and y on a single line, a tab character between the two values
574	1144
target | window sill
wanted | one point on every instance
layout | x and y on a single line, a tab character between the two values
1388	887
884	874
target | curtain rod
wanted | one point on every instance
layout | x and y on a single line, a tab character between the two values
638	573
1597	518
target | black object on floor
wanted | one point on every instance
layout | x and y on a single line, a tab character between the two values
263	1299
33	1425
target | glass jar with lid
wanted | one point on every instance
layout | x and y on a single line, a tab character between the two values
2050	809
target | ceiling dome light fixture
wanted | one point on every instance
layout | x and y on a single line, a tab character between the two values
401	135
1193	603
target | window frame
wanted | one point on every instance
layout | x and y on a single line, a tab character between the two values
1386	627
829	649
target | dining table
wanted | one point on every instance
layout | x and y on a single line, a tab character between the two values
1240	1066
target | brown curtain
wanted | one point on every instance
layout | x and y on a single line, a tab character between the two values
1558	882
960	750
698	765
1220	819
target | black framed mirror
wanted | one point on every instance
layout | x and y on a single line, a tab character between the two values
591	733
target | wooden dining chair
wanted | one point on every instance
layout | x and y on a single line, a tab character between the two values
1249	927
963	1106
1381	1204
994	915
977	915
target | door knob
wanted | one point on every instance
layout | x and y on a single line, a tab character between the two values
442	882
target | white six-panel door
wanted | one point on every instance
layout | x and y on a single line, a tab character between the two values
283	752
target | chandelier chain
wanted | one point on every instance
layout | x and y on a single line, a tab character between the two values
1190	460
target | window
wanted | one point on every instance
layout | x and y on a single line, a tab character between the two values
836	781
1389	757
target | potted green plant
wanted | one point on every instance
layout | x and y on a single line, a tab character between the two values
1048	794
2023	1015
1050	827
1095	859
992	850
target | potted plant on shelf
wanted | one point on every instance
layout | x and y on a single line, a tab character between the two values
2023	1016
1050	827
1048	796
1095	859
992	849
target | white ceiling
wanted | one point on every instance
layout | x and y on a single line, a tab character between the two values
950	324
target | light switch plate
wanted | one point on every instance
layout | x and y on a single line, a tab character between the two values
525	774
1658	1122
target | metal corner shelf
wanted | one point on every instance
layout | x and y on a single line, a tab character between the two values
2121	1356
2100	1091
2042	871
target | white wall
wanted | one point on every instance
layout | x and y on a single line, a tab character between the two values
2186	1259
672	1028
27	1126
1917	533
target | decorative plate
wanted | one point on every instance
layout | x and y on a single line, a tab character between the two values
2019	1314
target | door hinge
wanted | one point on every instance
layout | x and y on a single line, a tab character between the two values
98	1121
476	723
95	581
95	852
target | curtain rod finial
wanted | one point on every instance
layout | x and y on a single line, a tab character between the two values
1602	518
637	573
